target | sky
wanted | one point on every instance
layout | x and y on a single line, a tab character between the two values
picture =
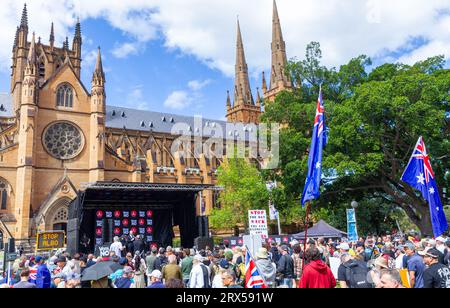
178	56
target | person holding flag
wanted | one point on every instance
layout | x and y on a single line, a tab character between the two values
419	175
253	278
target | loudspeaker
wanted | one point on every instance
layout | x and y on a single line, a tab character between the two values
11	245
203	242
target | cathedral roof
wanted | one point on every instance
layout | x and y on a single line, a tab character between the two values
139	120
7	103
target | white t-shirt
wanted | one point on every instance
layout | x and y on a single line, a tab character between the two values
196	280
117	248
399	261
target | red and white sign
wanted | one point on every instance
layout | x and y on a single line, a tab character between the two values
258	223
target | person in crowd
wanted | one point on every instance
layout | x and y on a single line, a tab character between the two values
440	245
229	280
415	266
390	280
285	269
186	265
150	262
316	274
352	273
266	267
274	252
43	276
200	274
156	280
174	284
172	270
447	255
129	240
437	275
117	247
23	283
217	282
140	270
138	245
343	249
161	260
126	281
91	261
399	258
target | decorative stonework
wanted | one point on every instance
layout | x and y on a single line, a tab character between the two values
63	140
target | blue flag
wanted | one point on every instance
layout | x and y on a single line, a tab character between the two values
319	140
419	175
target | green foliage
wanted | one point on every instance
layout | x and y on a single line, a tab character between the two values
374	121
244	190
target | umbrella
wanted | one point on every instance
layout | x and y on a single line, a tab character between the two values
114	266
97	272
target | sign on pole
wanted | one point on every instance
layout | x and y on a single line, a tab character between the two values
50	240
258	223
351	225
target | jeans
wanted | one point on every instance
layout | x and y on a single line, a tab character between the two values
287	282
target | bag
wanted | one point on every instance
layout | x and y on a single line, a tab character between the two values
357	275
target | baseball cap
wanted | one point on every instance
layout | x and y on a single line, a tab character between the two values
343	246
224	264
284	248
127	270
156	274
359	244
198	258
440	239
432	253
123	261
409	245
38	259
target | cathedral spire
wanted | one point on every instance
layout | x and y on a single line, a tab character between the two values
77	39
228	100
31	67
52	36
243	95
98	78
66	43
24	20
264	83
279	80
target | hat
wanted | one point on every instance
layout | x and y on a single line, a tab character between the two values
431	242
262	253
440	239
224	264
198	258
127	270
228	255
38	259
382	262
409	245
432	253
284	248
156	274
359	244
343	246
61	259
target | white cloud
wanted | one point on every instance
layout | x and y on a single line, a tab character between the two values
197	85
126	49
207	29
136	99
178	100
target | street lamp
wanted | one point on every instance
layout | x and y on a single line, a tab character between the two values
354	204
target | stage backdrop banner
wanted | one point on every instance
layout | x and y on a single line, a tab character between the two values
258	223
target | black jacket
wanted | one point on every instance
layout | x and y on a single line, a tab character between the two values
138	245
286	267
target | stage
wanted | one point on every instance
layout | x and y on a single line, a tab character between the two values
104	210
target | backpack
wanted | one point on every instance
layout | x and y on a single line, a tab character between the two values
356	273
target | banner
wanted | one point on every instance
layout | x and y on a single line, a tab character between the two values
258	223
352	231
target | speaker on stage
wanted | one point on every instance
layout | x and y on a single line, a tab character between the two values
203	242
72	236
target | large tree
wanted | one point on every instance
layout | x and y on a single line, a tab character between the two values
374	122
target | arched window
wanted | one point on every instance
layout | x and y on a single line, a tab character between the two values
64	96
3	194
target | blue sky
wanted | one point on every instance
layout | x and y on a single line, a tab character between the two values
178	55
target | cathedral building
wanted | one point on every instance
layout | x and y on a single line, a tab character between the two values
56	134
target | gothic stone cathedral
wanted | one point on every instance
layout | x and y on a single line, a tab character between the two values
55	134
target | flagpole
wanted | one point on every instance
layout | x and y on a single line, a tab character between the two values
308	207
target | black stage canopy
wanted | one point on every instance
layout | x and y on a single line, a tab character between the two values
170	205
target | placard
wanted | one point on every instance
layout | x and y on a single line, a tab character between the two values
258	223
50	240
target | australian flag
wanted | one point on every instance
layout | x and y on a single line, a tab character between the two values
253	279
319	140
420	175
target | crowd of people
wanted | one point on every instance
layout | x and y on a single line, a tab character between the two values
372	262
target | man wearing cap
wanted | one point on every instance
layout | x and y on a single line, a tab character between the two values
43	277
437	275
125	282
415	266
440	244
156	280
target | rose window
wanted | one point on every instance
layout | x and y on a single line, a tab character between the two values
63	140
